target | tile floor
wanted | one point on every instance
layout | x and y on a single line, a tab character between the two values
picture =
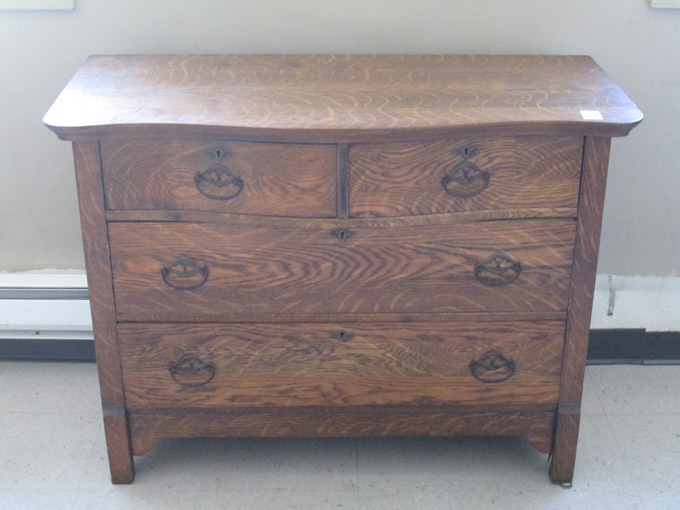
52	456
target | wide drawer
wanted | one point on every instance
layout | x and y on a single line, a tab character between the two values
468	174
220	176
188	271
287	365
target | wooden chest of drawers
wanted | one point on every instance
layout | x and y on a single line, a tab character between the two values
341	245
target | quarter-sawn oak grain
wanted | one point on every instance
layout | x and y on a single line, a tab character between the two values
423	269
402	179
278	179
373	364
397	176
100	290
591	205
338	98
534	423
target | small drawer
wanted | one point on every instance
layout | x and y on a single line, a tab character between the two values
307	365
192	272
470	174
269	179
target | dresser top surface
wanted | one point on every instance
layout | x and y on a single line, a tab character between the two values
339	97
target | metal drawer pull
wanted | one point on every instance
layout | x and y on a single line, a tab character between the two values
185	273
465	179
218	183
492	368
497	270
342	234
191	371
342	335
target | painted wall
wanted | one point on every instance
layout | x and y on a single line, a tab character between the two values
637	45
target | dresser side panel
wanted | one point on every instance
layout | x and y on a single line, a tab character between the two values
588	227
100	288
589	222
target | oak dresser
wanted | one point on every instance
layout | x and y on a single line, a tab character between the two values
315	245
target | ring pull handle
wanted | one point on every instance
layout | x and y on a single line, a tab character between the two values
218	183
185	273
492	368
191	371
466	179
497	270
342	335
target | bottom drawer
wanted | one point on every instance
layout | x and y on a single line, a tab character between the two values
355	364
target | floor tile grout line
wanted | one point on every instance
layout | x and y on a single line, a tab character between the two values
91	452
356	446
597	392
624	460
620	450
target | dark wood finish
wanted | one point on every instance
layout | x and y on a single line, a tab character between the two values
534	423
563	458
346	98
403	179
426	269
440	219
343	180
97	262
351	317
288	365
589	222
118	445
250	303
277	179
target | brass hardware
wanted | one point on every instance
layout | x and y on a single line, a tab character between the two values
466	179
191	371
218	183
342	335
492	368
218	154
185	273
467	152
342	234
497	270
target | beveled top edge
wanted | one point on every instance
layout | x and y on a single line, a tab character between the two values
338	98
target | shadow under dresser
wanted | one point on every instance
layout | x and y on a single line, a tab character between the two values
341	245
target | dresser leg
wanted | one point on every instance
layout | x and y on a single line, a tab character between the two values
121	462
564	445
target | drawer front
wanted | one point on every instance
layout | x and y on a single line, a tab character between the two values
288	365
402	179
187	271
229	177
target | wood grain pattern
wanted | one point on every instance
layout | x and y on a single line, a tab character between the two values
589	222
563	458
343	180
297	319
423	269
100	288
313	365
340	98
330	224
119	447
383	421
153	316
401	179
277	179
